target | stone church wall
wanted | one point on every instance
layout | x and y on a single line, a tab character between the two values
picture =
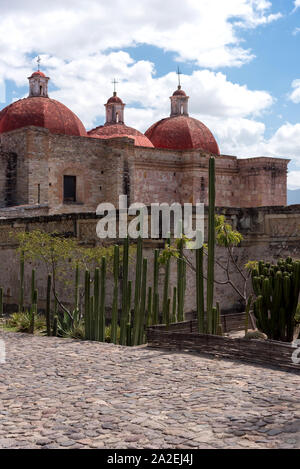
269	233
105	169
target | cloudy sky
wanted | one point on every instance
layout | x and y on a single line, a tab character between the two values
239	61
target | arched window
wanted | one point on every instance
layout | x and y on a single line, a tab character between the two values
117	118
181	109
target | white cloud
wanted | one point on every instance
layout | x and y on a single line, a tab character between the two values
294	180
296	4
295	94
76	39
85	84
206	32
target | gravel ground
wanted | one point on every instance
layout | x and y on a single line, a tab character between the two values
59	393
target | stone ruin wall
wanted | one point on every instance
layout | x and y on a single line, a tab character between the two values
169	176
269	233
33	162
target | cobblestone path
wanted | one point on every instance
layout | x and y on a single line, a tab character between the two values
58	393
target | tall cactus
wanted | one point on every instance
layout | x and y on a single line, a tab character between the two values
1	302
200	289
48	306
211	246
92	318
142	310
124	313
174	305
55	319
155	287
180	288
166	285
247	312
137	293
87	305
76	296
96	303
114	318
149	307
128	315
101	324
33	310
277	289
21	302
168	313
32	285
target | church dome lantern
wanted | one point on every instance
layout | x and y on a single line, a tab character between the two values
41	111
115	127
179	131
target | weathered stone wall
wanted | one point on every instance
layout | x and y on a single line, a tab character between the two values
262	182
15	164
104	169
168	176
269	233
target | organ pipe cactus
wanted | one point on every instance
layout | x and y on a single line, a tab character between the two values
180	288
21	303
277	289
48	306
211	246
166	285
124	313
128	324
101	321
96	302
200	289
33	311
87	305
155	287
76	302
149	307
32	285
1	302
142	311
114	318
174	305
137	293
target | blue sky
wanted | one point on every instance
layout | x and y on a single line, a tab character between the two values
239	61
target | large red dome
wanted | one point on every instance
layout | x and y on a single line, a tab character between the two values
120	130
41	112
182	133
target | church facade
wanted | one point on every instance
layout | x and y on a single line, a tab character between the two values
50	164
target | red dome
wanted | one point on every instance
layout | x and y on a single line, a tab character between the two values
41	112
120	130
179	92
182	133
38	73
115	99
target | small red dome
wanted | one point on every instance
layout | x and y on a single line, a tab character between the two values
115	100
41	112
179	92
38	73
182	133
120	130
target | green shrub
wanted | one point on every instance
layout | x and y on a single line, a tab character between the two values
108	334
21	322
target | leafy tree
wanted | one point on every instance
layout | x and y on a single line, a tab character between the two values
60	255
229	239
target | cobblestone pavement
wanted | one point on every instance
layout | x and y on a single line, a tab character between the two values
58	393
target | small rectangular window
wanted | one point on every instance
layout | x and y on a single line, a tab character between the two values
69	188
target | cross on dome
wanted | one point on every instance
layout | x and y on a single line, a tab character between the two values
115	82
38	62
179	73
